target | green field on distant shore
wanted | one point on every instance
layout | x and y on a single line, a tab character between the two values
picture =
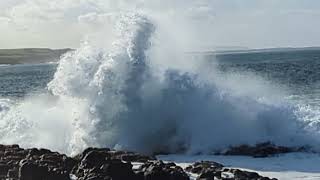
30	55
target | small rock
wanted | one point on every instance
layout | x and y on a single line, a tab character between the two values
158	170
203	166
261	150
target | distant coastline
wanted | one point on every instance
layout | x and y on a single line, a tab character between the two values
45	55
266	50
30	55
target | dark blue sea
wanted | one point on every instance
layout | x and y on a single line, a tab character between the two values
298	71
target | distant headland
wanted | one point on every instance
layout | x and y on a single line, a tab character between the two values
45	55
31	55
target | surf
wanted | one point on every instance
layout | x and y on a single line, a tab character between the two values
125	89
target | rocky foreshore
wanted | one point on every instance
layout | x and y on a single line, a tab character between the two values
261	150
105	164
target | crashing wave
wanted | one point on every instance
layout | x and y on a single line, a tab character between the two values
117	96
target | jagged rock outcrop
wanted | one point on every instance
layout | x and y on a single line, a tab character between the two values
104	164
158	170
261	150
207	170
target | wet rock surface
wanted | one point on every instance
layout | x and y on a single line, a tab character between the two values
33	164
207	170
261	150
103	164
204	166
158	170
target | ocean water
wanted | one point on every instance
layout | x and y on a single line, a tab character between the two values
295	70
137	91
18	81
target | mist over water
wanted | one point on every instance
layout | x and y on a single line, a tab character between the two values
131	86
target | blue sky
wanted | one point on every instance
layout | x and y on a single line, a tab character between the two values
247	23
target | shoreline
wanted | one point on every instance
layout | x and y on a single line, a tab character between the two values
104	163
46	55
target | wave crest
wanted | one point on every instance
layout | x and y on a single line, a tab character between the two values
117	96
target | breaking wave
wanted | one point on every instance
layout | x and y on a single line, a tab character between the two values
129	93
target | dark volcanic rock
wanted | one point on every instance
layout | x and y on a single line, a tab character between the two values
157	170
100	164
103	164
208	170
80	156
24	164
32	171
246	175
260	150
134	157
203	166
121	155
43	164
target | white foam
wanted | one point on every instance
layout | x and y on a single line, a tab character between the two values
293	166
131	91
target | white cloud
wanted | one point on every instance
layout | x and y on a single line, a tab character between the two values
34	23
253	23
4	20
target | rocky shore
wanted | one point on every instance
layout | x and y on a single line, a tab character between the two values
261	150
105	164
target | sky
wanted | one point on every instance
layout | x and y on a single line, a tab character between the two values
244	23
